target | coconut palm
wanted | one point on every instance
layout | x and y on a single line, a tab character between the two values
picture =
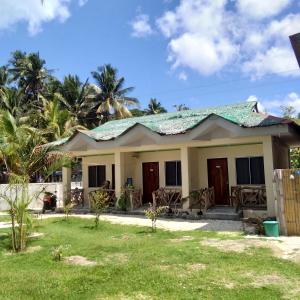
154	107
24	156
29	71
77	97
111	94
13	101
4	77
59	123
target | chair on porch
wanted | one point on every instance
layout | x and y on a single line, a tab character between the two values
170	197
77	197
253	197
135	196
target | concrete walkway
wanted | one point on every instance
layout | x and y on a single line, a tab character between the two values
167	224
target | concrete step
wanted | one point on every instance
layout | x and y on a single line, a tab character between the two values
222	213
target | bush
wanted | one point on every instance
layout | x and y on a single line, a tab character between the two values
123	202
58	252
153	213
99	202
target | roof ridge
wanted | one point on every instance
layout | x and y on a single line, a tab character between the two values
246	104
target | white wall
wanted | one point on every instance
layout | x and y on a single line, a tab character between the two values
35	190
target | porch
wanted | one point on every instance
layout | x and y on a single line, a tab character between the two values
186	170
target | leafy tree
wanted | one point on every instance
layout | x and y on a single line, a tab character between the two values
29	71
78	97
59	123
4	77
154	107
23	156
112	99
13	101
181	107
288	111
295	158
137	112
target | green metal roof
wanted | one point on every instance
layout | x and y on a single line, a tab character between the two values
242	114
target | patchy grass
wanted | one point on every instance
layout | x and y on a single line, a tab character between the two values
133	263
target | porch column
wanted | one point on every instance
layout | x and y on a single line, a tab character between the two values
185	173
269	169
66	182
119	172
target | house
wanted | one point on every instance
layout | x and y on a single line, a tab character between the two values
222	147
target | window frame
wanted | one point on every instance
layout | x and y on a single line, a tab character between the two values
249	170
178	177
97	183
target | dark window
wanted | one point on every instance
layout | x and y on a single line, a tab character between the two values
173	173
250	170
97	176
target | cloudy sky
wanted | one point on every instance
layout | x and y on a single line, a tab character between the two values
196	52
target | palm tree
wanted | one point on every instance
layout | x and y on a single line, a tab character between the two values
59	123
111	97
77	97
154	107
30	73
12	100
4	77
22	154
181	107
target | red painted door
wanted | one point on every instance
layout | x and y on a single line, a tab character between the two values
218	178
150	180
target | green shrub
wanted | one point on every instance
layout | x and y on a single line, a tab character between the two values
99	202
153	213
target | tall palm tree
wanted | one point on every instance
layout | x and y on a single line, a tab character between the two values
77	97
154	107
59	123
30	73
111	97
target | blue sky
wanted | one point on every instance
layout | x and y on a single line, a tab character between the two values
196	52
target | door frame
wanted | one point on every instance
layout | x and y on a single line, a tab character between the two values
143	178
227	183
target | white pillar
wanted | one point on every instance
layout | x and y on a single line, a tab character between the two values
185	173
66	181
119	172
269	171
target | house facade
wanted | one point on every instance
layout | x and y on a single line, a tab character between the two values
221	147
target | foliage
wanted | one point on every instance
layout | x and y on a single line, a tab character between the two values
99	202
67	209
112	97
123	202
295	158
153	213
288	111
181	107
59	251
22	154
154	107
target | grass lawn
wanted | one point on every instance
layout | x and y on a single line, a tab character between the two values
133	263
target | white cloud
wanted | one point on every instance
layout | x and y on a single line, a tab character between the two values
274	106
259	9
278	60
215	54
82	2
140	26
182	76
208	36
33	13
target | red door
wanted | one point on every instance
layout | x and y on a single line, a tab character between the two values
150	180
218	178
